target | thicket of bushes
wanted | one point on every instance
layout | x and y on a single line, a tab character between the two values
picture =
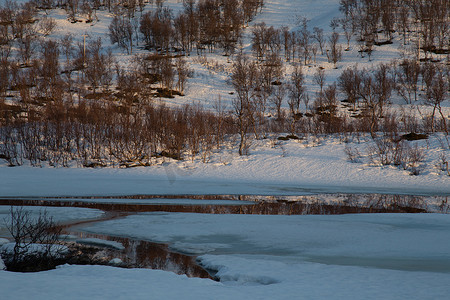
97	134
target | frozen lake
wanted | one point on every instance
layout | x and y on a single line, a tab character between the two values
414	242
270	256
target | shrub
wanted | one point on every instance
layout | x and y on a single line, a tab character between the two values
353	154
399	155
443	165
384	151
416	155
35	242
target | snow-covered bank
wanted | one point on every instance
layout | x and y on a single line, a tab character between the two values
316	282
274	168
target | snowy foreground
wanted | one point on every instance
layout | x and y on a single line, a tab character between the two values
390	256
316	282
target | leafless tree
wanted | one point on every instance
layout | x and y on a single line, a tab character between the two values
183	72
304	37
349	82
167	73
287	41
318	36
250	9
192	22
27	48
87	10
403	21
373	99
47	25
348	28
296	90
99	65
258	38
4	77
384	84
278	98
181	31
436	92
50	81
319	78
157	29
243	80
121	32
72	8
335	52
407	78
330	97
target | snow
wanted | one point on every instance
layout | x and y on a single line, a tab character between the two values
115	261
373	256
260	257
58	214
273	258
274	168
288	13
55	250
315	282
100	242
397	241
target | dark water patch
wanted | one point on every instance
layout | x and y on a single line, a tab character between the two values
262	208
323	205
143	254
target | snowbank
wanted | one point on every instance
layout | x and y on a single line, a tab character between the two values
36	249
286	168
100	242
2	264
311	281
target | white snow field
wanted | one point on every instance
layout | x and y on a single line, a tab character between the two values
274	168
315	282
